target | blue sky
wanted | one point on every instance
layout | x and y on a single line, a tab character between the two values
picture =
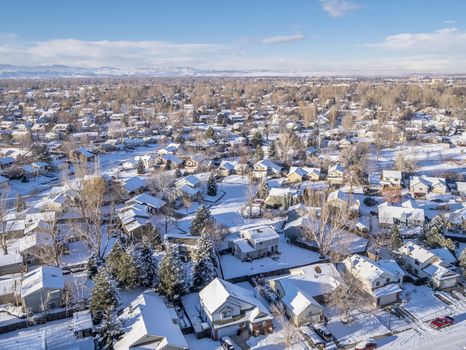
335	36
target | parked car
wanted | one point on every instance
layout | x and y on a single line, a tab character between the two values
312	337
323	332
369	344
227	343
442	322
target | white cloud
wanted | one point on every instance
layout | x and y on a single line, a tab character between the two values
449	21
446	41
283	39
105	52
339	8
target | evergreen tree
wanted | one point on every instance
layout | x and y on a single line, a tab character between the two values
395	238
205	261
210	133
434	238
259	153
122	267
256	139
93	265
109	330
143	256
462	261
141	169
212	186
263	190
172	276
202	220
104	294
40	153
272	150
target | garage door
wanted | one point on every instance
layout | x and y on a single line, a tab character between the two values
227	331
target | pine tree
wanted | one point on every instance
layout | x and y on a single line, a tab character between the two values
172	276
202	220
272	150
212	186
210	133
435	239
263	190
143	256
141	169
122	267
256	139
205	261
93	265
108	331
104	294
259	153
395	238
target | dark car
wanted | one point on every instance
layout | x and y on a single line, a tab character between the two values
323	332
442	322
369	344
227	343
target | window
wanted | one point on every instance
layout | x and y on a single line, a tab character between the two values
226	314
387	280
416	262
377	283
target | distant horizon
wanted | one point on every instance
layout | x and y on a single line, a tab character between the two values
333	36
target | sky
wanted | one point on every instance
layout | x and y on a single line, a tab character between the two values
316	36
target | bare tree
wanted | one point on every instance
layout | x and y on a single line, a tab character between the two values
8	218
161	183
326	226
53	248
289	331
349	295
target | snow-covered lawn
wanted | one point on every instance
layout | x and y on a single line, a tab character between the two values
291	256
421	302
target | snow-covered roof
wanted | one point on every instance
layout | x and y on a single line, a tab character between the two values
391	174
416	252
148	321
260	234
218	291
44	277
134	183
147	199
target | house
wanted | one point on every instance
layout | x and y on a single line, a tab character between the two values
169	161
392	178
296	228
11	263
424	264
227	167
335	174
281	198
296	211
461	188
343	200
134	185
33	246
193	164
149	324
379	282
83	153
391	215
264	168
189	186
171	148
422	185
375	182
148	160
10	290
255	243
230	309
153	204
303	291
41	289
298	174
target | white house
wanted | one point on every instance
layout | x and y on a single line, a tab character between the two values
255	243
264	168
392	178
229	309
41	289
407	216
425	264
381	283
304	289
149	324
422	185
335	174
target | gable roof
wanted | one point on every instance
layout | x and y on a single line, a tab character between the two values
47	277
148	320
